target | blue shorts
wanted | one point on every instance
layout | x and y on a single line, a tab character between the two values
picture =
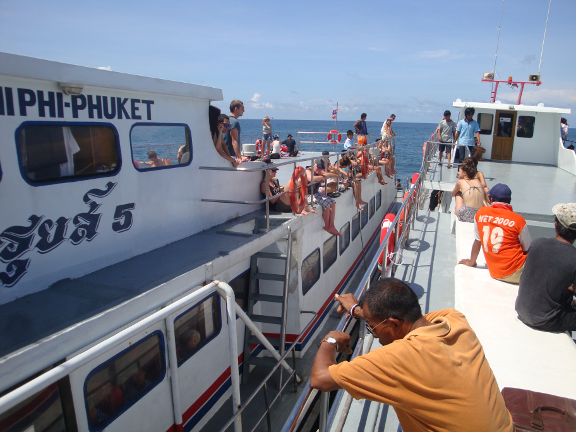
267	137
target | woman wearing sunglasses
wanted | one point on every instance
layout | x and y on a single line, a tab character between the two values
219	124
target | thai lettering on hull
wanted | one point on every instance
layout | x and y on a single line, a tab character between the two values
44	235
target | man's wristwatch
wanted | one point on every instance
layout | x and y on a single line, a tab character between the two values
329	340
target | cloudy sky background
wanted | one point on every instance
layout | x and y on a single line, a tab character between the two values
295	60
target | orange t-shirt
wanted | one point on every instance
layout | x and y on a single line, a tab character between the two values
504	236
436	378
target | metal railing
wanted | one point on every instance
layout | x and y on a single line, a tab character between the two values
322	138
410	207
266	200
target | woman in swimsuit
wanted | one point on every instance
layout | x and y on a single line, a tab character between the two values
282	203
266	134
469	192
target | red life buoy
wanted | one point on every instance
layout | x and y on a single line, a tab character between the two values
298	203
258	144
362	140
386	226
405	209
364	164
424	150
334	136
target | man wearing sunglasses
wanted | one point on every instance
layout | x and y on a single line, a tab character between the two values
430	368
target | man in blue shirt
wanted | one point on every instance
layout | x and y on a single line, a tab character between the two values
360	125
232	135
468	131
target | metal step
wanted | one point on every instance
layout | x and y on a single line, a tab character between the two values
266	319
263	361
267	298
271	255
270	276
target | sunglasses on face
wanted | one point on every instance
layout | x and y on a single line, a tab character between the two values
226	125
372	329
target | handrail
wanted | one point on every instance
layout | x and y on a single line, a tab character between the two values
413	200
265	380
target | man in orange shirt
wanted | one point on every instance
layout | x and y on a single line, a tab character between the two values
503	236
431	369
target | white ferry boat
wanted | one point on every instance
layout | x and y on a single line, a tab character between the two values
127	288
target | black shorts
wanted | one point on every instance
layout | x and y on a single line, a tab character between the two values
445	148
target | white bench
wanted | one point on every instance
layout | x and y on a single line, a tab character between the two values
519	356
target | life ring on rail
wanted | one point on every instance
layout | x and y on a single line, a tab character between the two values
386	226
405	209
362	140
258	145
334	136
364	164
415	178
296	203
424	150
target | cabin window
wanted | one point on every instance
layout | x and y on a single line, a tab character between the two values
364	215
505	125
372	203
344	238
525	128
56	152
240	286
355	226
310	270
330	253
378	199
196	327
485	121
115	386
158	146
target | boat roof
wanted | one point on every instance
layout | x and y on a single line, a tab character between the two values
503	106
47	70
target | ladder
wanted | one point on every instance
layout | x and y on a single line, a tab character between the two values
254	296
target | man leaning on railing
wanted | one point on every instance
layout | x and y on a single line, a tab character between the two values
430	368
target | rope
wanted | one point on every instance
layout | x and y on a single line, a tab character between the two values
544	39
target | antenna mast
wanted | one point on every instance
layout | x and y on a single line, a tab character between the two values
497	43
544	39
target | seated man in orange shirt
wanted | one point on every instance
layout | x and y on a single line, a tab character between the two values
431	369
503	235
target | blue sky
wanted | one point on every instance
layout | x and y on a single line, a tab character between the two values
295	60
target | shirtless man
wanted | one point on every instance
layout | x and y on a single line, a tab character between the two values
155	161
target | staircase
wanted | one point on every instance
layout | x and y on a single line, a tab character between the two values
284	246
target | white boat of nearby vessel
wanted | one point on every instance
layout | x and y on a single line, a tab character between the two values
108	310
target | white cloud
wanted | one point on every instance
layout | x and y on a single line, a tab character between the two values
108	68
256	98
557	98
257	105
375	49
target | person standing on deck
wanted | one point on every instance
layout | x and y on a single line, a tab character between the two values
392	118
547	284
232	135
446	130
360	126
563	129
430	368
468	131
503	235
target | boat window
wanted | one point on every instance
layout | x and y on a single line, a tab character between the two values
505	126
158	146
196	327
372	203
310	270
525	128
56	152
116	385
329	253
378	199
344	238
485	121
355	226
240	285
364	215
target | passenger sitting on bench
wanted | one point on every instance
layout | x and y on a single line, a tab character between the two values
505	238
282	203
328	204
155	161
546	292
349	180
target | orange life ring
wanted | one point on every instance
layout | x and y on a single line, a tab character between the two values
364	164
296	203
362	140
334	136
258	144
386	226
415	178
424	150
406	208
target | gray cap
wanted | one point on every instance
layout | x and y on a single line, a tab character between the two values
566	214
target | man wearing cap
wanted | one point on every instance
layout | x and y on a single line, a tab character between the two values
446	130
547	284
291	145
503	236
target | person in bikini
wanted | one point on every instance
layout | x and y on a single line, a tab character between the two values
266	134
469	192
281	203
